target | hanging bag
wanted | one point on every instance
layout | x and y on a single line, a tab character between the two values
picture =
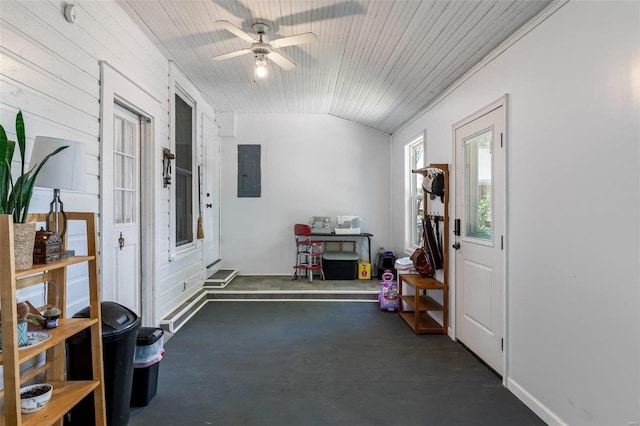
431	244
421	263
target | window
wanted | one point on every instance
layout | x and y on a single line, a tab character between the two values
415	208
478	172
184	171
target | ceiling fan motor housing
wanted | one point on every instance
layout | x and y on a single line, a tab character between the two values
260	28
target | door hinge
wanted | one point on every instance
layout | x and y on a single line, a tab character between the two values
501	139
501	242
502	344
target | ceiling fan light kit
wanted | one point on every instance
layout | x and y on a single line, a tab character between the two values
262	49
261	66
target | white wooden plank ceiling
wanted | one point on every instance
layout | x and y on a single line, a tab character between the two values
376	62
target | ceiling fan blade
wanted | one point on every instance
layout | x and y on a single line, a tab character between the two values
293	40
284	62
333	11
236	31
231	55
235	8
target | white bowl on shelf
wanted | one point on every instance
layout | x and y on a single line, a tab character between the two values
31	404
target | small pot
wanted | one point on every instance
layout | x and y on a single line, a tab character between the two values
51	322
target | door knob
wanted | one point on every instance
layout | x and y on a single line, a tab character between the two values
121	241
456	246
209	206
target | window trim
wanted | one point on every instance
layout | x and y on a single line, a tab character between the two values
410	198
178	251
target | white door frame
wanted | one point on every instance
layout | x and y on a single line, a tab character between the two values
502	101
116	87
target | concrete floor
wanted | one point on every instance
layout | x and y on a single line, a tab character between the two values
285	283
268	287
318	363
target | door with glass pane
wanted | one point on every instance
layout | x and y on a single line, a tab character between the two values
479	260
126	208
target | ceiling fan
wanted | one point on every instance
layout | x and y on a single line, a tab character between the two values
262	49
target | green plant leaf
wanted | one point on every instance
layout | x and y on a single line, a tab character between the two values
6	155
15	197
27	183
22	140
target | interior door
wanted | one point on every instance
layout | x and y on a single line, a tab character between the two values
125	247
211	195
479	259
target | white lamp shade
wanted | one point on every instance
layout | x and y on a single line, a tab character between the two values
66	170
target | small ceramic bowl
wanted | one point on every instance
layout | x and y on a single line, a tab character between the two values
34	397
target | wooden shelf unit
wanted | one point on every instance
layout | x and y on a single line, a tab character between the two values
66	394
416	308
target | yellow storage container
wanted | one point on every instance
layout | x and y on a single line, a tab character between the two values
364	271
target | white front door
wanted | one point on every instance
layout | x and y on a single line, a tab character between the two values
480	208
125	212
211	195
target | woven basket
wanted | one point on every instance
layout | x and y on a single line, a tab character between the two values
24	239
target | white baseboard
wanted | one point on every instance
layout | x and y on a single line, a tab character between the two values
541	410
179	317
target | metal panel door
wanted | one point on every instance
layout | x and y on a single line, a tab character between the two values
480	206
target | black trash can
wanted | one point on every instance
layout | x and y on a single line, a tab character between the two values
119	331
149	352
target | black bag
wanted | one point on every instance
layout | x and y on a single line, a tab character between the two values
421	263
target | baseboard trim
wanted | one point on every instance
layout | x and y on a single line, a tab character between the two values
541	410
179	317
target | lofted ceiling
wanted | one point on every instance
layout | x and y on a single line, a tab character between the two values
376	62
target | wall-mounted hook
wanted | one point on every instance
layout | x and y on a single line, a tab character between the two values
167	156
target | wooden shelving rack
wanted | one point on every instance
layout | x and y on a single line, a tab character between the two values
415	308
66	394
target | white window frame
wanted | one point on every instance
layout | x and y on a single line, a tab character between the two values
190	246
413	191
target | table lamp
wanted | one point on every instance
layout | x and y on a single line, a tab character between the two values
65	170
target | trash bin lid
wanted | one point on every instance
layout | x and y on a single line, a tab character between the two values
148	335
116	319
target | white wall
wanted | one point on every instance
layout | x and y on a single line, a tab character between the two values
311	166
50	70
574	201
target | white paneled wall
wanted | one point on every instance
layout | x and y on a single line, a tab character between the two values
50	70
573	293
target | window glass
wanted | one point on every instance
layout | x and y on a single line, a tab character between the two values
416	201
184	171
478	174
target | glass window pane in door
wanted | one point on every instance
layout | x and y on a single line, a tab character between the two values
117	206
128	138
478	185
117	134
124	171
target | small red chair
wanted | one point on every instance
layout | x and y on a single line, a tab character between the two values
308	253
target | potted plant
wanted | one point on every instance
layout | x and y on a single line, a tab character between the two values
24	316
15	196
51	316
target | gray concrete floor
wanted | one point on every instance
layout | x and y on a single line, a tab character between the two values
285	283
319	363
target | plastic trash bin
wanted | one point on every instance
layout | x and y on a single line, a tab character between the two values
149	352
119	331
